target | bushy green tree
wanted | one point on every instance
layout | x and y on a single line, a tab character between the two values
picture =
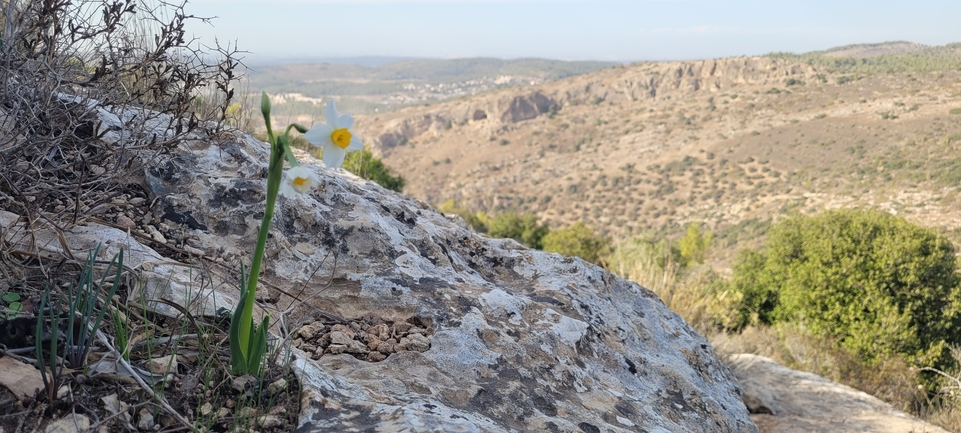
875	282
522	228
578	240
693	246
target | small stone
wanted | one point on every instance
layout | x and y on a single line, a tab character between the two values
117	408
269	421
146	420
336	348
277	386
357	347
206	409
223	413
417	343
125	221
382	331
243	383
356	327
277	410
372	343
162	365
376	357
137	201
73	423
343	328
309	330
386	348
339	337
249	412
401	328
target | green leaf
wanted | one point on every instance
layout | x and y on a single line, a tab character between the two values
15	307
238	342
10	297
258	347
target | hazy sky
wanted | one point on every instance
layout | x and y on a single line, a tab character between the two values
572	30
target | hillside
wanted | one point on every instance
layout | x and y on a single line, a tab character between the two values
733	142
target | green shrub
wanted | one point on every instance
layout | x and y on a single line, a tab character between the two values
523	229
955	111
367	166
874	282
578	240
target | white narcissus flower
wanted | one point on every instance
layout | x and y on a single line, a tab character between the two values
298	180
334	136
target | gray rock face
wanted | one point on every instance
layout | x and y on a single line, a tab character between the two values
522	340
513	339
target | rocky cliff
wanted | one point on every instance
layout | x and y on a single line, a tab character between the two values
406	321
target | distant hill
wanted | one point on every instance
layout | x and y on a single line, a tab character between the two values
368	89
888	57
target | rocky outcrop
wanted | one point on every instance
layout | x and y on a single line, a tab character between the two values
640	81
487	335
527	107
783	400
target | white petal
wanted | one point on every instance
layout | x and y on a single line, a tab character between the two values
345	121
331	113
334	156
286	190
319	135
355	144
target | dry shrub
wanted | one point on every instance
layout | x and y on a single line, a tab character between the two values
68	63
657	267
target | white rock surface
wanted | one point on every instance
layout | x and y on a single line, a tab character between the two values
791	401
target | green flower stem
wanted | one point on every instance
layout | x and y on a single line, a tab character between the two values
274	175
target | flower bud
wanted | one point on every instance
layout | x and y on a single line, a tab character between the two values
265	105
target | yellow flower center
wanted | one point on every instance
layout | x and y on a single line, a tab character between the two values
341	137
300	182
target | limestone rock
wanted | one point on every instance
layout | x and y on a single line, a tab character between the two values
522	340
514	339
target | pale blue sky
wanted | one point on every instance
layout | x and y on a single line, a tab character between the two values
572	30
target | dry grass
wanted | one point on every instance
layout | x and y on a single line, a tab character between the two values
684	291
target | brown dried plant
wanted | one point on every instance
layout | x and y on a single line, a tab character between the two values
87	84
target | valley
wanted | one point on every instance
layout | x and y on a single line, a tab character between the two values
735	143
